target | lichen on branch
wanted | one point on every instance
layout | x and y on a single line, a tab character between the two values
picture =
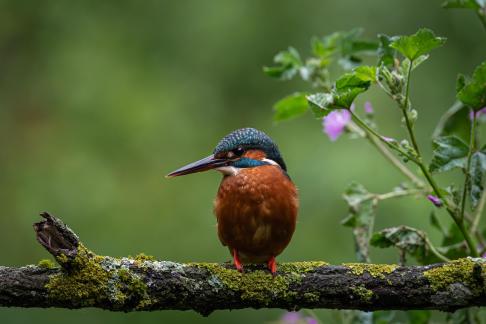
85	279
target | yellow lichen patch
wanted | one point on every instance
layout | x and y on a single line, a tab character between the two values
457	271
375	270
363	293
86	282
46	263
89	282
301	267
143	257
131	285
311	297
258	286
61	258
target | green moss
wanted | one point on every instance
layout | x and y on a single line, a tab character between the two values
457	271
86	283
300	267
46	263
131	283
375	270
258	286
93	278
363	293
61	258
143	257
312	297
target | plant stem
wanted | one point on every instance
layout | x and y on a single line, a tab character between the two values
437	253
482	17
395	194
458	220
479	212
367	128
405	110
468	163
396	162
460	224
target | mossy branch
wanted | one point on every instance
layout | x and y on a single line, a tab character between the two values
144	284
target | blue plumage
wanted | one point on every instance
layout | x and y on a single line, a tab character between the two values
250	138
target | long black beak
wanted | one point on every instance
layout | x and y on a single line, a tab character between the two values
208	163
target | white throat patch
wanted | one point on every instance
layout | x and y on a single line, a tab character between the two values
231	170
272	162
228	170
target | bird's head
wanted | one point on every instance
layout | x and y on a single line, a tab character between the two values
243	148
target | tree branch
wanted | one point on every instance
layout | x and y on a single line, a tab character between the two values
143	284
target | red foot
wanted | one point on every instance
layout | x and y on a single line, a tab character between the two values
272	266
236	261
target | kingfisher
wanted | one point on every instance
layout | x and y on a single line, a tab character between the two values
256	204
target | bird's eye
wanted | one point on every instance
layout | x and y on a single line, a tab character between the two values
238	151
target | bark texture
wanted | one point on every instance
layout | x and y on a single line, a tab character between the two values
85	279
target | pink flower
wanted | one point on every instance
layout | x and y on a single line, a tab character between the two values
311	320
296	318
335	123
291	318
480	112
435	200
368	107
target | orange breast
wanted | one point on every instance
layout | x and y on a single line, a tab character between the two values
256	211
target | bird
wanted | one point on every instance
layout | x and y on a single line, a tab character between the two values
257	203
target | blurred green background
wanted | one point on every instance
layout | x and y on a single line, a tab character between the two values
99	100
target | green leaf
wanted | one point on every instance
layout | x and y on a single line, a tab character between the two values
465	316
345	90
320	49
407	239
291	106
454	121
348	87
477	169
288	64
448	152
419	60
351	80
320	103
460	82
453	193
463	4
420	43
406	63
366	73
362	208
345	98
349	44
346	45
386	54
473	93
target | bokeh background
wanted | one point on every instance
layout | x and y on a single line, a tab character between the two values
100	99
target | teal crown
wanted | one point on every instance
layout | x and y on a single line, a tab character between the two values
250	138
